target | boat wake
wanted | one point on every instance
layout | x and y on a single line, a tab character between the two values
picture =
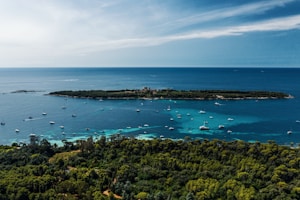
31	119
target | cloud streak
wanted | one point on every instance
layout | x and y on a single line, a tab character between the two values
144	37
228	12
55	29
278	24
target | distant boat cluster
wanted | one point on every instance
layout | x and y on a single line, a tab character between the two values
205	127
30	118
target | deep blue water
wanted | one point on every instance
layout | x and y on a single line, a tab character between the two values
261	120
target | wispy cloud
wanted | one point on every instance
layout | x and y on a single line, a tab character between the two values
278	24
226	12
141	33
70	28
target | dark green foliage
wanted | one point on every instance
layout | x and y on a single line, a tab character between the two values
168	93
150	169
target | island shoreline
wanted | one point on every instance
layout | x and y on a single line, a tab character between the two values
166	94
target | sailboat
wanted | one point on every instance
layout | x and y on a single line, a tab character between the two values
203	127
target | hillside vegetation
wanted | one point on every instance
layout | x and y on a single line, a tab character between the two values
118	167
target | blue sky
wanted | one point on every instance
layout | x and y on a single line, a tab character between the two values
154	33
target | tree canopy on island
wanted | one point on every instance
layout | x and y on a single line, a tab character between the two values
171	94
127	168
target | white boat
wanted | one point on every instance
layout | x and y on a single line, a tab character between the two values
62	127
217	104
146	125
230	119
202	112
204	128
169	108
51	122
211	117
74	115
229	131
138	110
17	130
44	113
297	121
221	126
171	128
171	119
289	132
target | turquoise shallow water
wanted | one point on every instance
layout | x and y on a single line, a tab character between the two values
261	120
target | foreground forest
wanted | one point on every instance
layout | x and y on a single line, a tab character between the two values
127	168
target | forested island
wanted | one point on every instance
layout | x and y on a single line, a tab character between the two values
127	168
171	94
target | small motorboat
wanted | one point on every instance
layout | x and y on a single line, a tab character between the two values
221	126
204	128
217	104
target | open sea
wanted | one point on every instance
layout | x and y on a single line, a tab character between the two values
74	118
